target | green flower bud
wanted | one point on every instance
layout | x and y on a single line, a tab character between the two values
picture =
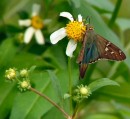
10	74
19	38
24	73
24	85
81	92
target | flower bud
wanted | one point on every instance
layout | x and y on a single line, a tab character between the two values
10	74
81	92
24	73
24	85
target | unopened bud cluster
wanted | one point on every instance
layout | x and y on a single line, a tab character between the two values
81	92
21	77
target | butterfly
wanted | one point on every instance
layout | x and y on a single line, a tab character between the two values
95	47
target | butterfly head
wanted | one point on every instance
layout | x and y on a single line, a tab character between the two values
89	27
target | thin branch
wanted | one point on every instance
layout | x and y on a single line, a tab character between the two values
49	100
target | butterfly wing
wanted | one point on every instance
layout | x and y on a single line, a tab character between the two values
87	53
108	50
96	47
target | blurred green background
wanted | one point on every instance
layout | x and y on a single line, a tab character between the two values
110	18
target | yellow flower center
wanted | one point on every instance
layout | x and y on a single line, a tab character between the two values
37	22
75	30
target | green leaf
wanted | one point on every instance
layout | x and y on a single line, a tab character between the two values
58	60
121	94
122	109
53	113
28	60
7	52
95	85
29	105
7	95
123	24
32	68
102	4
102	116
56	85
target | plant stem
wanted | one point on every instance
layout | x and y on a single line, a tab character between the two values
114	15
70	81
49	100
75	112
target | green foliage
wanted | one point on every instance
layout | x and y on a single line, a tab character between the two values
100	83
49	70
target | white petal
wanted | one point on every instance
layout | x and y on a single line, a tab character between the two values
35	9
58	35
26	22
28	34
39	37
79	18
71	48
67	15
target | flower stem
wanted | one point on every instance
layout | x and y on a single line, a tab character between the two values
114	15
49	100
70	81
75	112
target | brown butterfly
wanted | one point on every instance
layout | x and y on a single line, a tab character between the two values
95	47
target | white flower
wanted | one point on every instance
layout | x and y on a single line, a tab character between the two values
74	30
35	24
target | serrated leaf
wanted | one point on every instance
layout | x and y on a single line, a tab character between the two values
95	85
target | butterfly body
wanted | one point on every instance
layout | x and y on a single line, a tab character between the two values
95	47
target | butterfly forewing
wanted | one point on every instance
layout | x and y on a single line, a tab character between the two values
108	50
